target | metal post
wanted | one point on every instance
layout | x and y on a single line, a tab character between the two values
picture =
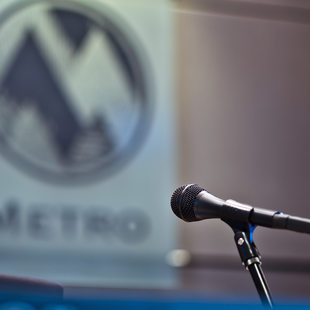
251	260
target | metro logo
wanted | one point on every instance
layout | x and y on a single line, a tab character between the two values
73	82
60	223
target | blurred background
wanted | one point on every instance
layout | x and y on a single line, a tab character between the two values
107	106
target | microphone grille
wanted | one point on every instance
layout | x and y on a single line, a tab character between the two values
182	201
175	201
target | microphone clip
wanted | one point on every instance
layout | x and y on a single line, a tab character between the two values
251	258
247	249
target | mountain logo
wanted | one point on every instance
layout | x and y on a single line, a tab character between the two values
74	90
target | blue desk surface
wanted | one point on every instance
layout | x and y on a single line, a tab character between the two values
15	303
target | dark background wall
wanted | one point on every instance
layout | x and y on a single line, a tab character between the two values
243	88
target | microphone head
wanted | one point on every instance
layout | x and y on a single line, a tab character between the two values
182	202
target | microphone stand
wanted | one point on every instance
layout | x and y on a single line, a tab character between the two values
251	259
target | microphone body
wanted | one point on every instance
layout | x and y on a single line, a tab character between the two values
193	203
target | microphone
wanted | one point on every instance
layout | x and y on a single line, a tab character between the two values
192	203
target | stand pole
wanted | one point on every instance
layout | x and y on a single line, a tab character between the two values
261	284
251	259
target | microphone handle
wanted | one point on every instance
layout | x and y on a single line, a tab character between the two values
279	220
293	223
262	217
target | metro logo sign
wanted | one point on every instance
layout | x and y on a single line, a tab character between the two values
87	144
74	82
